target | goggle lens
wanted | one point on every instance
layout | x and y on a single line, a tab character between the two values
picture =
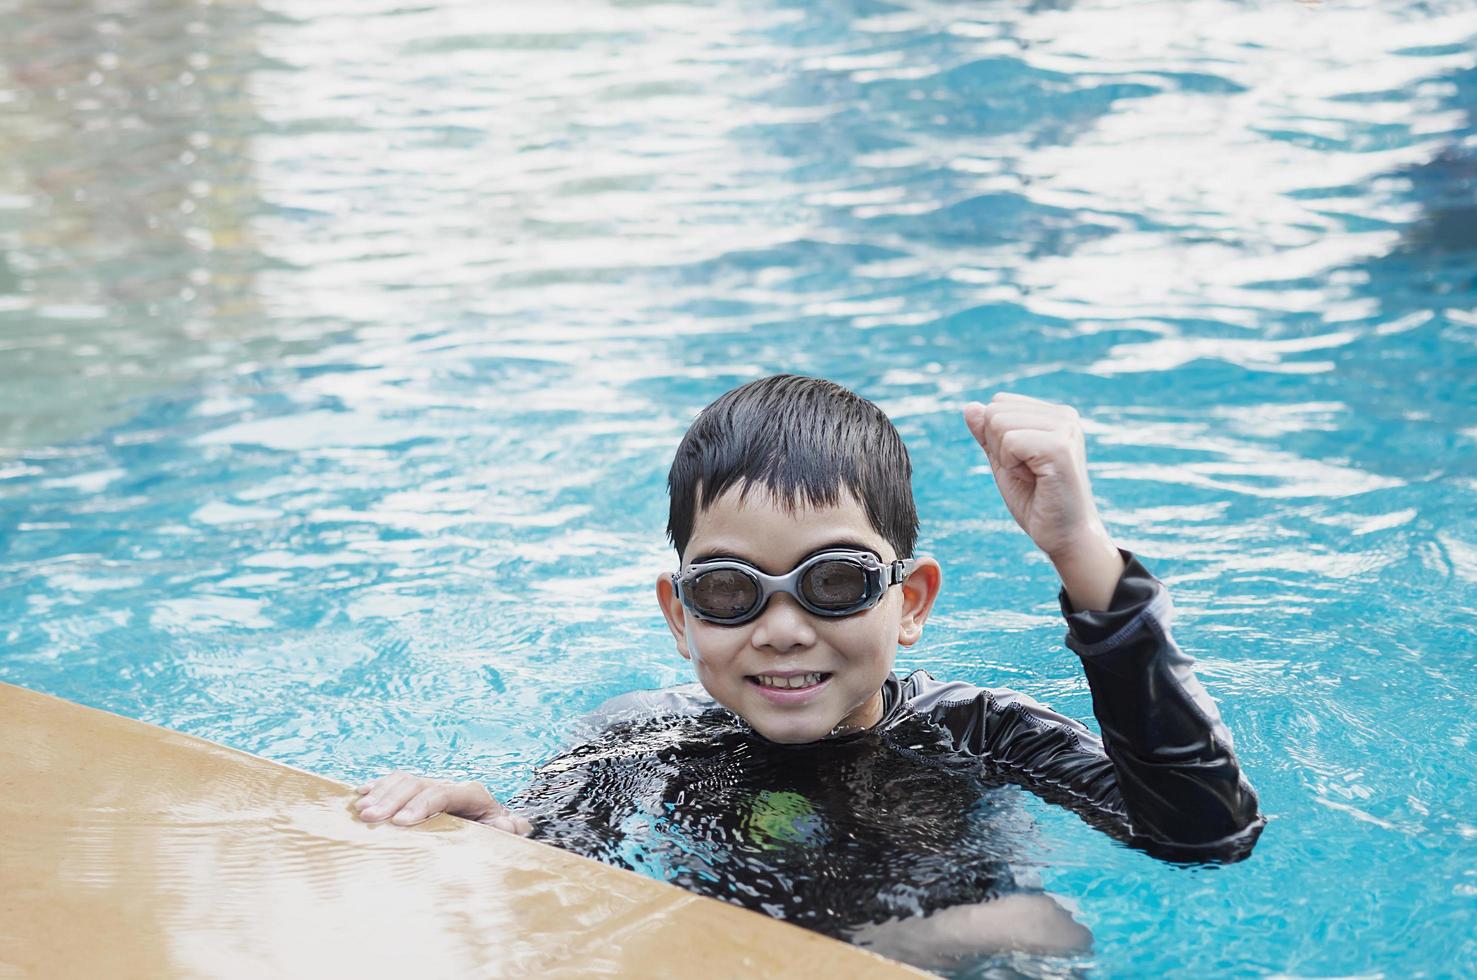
724	593
834	584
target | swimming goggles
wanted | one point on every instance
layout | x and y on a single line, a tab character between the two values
832	583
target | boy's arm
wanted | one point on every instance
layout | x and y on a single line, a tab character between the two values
1165	763
1163	777
1174	767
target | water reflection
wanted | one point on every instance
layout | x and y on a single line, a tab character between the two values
130	263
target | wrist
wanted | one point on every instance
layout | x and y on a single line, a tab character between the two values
1089	569
1087	545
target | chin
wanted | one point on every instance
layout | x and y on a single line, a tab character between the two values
792	734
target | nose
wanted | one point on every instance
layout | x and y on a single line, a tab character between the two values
783	626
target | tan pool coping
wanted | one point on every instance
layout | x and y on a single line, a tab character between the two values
129	850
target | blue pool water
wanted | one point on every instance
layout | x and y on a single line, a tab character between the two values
344	345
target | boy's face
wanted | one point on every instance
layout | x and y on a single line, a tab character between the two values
738	665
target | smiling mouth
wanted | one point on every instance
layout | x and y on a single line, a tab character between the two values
793	682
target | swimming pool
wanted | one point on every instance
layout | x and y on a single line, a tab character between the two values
345	346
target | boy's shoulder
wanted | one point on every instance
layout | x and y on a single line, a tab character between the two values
922	694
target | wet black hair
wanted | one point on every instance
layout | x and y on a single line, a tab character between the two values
806	440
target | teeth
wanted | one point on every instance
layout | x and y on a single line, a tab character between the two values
802	680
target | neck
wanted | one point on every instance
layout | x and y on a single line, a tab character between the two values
862	717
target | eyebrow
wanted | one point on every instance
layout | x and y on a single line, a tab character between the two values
713	554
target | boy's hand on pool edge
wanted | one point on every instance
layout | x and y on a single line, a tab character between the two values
1038	455
405	799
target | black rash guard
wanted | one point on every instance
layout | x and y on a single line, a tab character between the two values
913	814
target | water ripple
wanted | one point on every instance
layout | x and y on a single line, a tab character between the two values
344	345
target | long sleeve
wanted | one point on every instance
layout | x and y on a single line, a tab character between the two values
1163	776
1176	770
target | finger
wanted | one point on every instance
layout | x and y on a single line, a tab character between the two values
1031	413
1064	415
976	414
1018	448
991	424
511	823
976	417
389	803
1038	450
1011	398
1001	424
380	787
468	799
423	806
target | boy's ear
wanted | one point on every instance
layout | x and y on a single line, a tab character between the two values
674	611
919	592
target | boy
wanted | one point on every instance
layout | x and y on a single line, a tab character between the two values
774	783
